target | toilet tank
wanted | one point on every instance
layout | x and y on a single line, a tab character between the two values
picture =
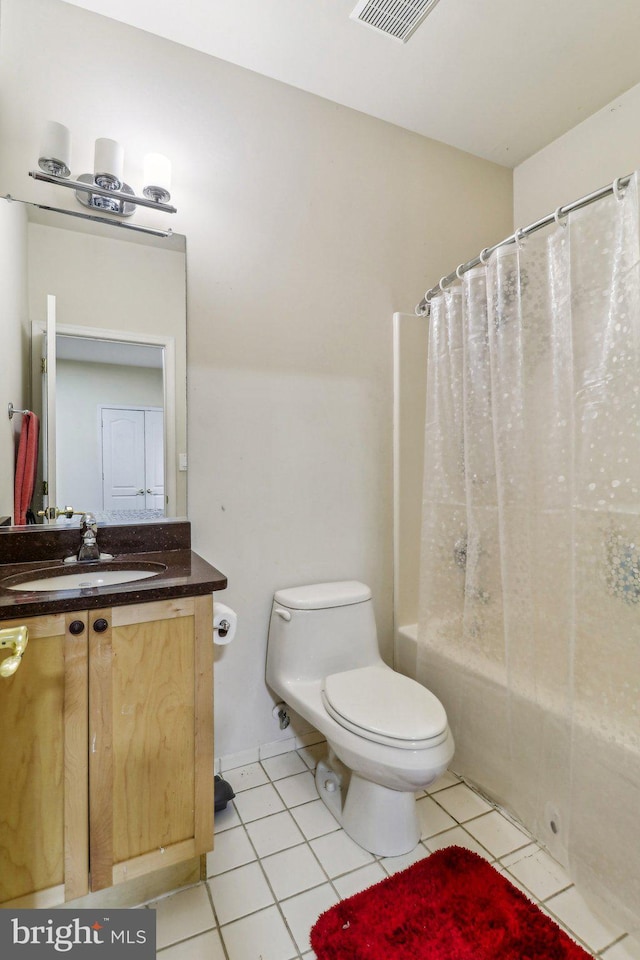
320	629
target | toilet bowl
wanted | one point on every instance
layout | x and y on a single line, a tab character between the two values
387	735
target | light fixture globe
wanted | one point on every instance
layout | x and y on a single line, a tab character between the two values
108	164
55	150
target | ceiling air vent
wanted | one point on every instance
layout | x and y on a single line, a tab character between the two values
396	18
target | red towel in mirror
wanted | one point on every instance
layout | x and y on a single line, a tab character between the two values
26	467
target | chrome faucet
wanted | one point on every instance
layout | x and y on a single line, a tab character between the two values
89	549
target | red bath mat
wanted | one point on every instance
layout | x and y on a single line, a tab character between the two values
450	906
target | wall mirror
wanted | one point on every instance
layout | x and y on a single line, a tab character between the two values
107	312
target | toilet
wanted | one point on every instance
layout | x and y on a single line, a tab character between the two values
387	735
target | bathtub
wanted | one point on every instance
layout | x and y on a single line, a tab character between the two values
579	801
406	650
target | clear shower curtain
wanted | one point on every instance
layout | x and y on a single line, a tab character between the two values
529	628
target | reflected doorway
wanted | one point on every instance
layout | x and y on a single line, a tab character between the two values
132	441
113	415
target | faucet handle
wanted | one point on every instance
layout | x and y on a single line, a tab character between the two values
52	513
89	527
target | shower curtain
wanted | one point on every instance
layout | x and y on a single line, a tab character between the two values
529	628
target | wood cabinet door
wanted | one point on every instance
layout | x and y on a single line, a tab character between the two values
151	736
43	766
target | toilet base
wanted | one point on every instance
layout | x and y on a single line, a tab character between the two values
381	820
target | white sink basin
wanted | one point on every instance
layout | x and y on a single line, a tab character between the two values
83	581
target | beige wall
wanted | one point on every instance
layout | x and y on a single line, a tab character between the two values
601	148
106	282
308	225
411	340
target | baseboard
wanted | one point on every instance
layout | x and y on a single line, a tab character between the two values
266	750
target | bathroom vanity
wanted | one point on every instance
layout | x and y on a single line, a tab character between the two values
106	771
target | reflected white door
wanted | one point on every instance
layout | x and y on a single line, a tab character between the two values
132	459
154	459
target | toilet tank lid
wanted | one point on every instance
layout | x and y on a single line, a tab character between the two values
320	596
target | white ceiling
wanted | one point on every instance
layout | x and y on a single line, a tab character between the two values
498	78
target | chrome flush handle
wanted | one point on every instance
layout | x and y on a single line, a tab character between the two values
285	614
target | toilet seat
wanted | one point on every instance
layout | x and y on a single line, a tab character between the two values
385	707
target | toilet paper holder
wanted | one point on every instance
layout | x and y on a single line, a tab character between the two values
225	623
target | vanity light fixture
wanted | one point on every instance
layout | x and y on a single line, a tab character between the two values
104	189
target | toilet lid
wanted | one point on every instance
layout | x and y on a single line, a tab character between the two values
384	703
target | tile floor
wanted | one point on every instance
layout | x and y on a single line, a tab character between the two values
281	859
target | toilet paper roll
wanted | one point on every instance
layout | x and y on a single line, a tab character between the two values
225	624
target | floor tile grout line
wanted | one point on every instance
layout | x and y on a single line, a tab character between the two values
603	952
330	879
308	842
567	929
556	893
538	900
495	807
215	915
277	900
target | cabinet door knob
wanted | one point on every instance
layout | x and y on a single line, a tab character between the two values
76	627
101	625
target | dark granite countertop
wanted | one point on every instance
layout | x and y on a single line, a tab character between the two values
25	553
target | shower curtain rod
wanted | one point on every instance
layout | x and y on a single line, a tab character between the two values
423	309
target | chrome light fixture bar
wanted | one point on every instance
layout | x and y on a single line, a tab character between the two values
85	185
120	224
